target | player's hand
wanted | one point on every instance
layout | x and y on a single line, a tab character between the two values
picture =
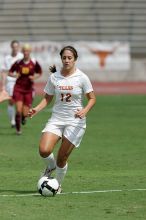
31	112
31	78
4	96
4	88
80	113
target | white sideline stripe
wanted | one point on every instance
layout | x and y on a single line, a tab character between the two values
67	193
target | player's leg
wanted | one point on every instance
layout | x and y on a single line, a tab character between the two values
71	139
11	107
28	99
18	99
25	111
47	144
11	112
19	107
62	157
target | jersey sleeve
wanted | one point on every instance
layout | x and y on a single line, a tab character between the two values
86	84
14	67
49	88
38	68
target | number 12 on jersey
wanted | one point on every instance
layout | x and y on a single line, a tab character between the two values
66	97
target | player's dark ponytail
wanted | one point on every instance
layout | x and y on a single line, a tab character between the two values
53	69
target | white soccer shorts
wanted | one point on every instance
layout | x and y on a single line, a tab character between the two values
10	83
73	133
10	88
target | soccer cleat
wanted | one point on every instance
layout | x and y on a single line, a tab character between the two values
47	172
13	126
18	132
23	120
59	191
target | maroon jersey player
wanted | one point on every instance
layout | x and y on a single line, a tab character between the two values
26	71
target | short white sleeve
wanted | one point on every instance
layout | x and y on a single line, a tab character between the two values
49	88
4	65
86	84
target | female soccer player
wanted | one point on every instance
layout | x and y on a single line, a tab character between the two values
68	120
26	70
8	82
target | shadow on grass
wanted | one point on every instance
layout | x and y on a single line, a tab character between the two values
7	134
7	131
17	191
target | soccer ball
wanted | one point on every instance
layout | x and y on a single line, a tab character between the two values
47	186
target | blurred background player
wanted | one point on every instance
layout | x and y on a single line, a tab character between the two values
8	82
27	70
68	120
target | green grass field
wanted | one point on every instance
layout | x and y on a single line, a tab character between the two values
112	156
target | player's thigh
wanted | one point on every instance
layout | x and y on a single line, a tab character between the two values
28	98
47	143
11	102
19	106
74	134
18	97
64	152
25	110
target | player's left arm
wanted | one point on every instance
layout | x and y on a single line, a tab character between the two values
91	102
35	76
38	72
13	72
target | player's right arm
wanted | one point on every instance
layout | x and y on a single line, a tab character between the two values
45	101
3	75
49	94
13	72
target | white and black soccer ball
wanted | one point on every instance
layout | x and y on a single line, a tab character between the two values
47	186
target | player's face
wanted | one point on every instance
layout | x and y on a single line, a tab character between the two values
15	48
26	53
68	60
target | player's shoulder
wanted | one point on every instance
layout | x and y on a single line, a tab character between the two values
20	56
19	61
81	74
7	57
55	75
33	60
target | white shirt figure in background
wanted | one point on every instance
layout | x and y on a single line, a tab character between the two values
8	82
68	119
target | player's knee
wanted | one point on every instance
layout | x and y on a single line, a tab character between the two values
44	152
11	102
19	111
61	161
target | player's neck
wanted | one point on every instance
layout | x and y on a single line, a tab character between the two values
26	60
13	54
67	72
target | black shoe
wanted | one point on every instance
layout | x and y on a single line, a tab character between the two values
13	126
18	132
23	121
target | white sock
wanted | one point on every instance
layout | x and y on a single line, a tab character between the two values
60	173
50	161
11	113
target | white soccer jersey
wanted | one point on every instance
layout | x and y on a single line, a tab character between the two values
69	92
8	62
